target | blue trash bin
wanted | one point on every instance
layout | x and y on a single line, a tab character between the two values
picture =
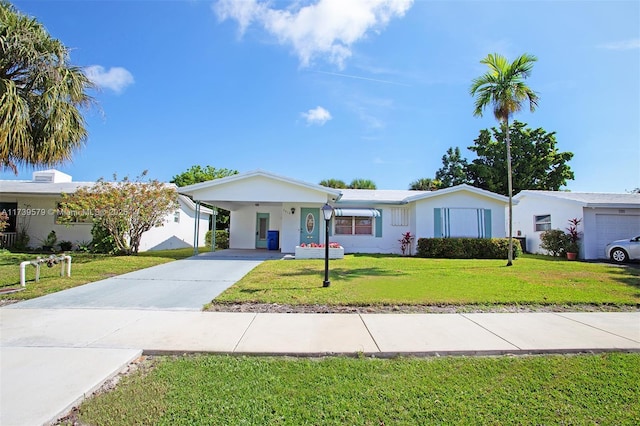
273	240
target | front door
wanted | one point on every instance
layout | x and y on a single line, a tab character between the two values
262	226
309	226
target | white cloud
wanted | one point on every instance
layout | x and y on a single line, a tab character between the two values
326	28
630	44
317	116
116	78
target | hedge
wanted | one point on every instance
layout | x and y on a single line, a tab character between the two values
467	248
222	239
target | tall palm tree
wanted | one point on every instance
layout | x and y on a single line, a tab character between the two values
40	95
504	89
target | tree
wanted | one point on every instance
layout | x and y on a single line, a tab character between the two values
125	209
454	169
333	183
536	161
425	184
41	94
362	184
197	174
503	88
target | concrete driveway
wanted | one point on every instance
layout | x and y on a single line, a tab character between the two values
180	285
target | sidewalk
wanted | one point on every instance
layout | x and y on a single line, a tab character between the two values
52	358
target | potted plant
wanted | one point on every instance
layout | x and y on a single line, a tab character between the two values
573	238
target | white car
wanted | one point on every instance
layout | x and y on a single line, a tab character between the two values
623	250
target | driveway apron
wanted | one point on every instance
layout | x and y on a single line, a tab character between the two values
186	284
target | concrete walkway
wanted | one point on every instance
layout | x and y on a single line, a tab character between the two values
52	355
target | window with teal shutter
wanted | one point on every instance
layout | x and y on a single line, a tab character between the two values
379	224
487	223
437	223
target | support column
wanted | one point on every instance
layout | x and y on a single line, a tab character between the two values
196	228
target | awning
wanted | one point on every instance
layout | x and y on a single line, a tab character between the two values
357	212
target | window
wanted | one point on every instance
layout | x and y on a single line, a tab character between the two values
353	225
176	216
399	216
542	223
462	223
70	217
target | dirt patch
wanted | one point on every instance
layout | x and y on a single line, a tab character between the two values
411	309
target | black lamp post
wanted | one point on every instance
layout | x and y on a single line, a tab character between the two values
327	212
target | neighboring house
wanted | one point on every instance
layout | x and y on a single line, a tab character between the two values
365	221
32	206
605	218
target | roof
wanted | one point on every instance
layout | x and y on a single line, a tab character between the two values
29	187
190	189
588	199
40	188
458	188
377	196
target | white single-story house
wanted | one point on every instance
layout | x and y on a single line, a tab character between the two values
280	213
605	218
32	206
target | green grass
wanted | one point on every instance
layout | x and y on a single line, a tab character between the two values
218	390
85	268
376	279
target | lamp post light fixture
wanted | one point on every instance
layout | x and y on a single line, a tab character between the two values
327	212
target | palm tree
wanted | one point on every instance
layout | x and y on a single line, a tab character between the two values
424	184
40	93
362	184
503	88
333	183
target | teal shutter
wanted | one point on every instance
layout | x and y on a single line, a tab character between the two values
487	223
379	224
331	226
437	223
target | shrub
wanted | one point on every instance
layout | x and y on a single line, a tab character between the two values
102	241
222	239
65	245
466	248
555	242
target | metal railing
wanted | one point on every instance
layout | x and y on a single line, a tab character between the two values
7	239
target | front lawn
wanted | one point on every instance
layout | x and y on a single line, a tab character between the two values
360	280
219	390
85	268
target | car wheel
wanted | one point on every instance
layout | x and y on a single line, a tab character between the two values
619	255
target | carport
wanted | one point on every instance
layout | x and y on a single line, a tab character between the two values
260	202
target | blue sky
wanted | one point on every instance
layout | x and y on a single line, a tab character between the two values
375	89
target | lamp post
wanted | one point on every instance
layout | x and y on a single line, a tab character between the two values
327	212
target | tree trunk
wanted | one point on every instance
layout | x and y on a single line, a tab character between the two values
510	193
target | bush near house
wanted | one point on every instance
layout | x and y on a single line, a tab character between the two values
222	239
466	248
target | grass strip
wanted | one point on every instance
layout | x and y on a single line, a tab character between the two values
222	390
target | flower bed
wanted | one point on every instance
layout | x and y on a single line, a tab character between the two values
316	251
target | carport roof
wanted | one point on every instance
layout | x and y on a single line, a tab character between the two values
190	189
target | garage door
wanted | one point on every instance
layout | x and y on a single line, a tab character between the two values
611	227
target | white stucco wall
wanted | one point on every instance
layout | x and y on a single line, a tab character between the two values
424	215
242	233
260	189
386	243
172	235
530	206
